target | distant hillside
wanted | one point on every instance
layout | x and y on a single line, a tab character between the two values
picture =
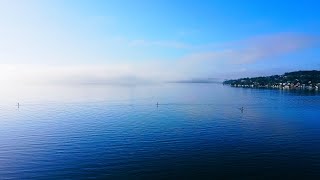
198	80
291	80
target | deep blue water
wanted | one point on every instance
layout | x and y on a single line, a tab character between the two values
196	132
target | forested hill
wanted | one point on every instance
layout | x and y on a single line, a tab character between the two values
297	79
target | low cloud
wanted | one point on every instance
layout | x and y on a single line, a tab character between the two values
257	49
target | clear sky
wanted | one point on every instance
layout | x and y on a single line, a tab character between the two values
143	40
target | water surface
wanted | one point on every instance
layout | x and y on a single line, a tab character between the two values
196	132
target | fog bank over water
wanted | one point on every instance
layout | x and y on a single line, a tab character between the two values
35	75
19	75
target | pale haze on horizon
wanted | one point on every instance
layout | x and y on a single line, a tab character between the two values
101	42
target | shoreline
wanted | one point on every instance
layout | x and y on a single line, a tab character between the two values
305	89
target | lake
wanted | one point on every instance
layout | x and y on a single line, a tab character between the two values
196	132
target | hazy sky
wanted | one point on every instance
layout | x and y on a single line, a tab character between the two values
82	41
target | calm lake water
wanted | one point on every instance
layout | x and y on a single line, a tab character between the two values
196	132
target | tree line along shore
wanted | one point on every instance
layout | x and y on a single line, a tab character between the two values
308	80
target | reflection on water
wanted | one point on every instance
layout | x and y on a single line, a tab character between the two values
196	132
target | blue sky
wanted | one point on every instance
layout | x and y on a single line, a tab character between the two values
106	40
